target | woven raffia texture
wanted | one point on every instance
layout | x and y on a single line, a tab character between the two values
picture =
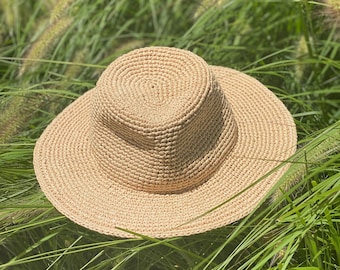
162	139
168	115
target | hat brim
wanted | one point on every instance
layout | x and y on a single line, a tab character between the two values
68	174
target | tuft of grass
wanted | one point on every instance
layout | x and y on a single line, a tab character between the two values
312	154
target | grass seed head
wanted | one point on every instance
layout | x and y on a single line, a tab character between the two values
58	10
331	12
206	4
44	44
301	52
318	154
11	14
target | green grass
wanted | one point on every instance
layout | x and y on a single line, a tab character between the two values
290	46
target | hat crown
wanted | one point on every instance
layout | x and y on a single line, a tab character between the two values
167	110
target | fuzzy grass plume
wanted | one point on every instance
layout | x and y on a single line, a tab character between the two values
206	4
44	44
333	9
300	54
312	154
129	45
20	216
11	118
10	12
331	12
59	9
73	70
21	107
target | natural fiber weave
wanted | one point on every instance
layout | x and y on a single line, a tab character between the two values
162	139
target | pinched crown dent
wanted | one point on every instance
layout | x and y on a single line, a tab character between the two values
166	108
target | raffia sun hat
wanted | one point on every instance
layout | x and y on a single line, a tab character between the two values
161	140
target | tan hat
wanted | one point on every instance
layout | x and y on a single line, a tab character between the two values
160	141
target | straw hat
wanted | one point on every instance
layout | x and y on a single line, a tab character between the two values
161	140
